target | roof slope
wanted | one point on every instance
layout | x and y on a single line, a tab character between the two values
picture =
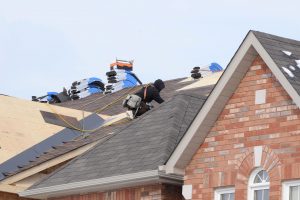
21	125
92	103
144	144
275	46
30	154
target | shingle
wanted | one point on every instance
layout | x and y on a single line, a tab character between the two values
274	45
92	103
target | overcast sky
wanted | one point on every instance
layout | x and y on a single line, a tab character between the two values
46	45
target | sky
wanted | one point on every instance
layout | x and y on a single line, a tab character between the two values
46	45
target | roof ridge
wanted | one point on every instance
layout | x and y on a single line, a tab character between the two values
277	38
174	122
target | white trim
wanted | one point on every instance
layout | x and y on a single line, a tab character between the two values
260	96
220	191
216	101
102	184
286	188
187	191
257	155
277	72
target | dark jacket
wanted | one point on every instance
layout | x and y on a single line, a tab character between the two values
152	92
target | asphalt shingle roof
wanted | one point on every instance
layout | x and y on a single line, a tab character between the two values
145	144
90	104
275	46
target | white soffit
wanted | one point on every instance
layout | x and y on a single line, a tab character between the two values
227	84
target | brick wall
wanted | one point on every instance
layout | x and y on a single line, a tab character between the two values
226	158
9	196
151	192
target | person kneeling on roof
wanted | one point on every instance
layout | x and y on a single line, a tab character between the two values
140	102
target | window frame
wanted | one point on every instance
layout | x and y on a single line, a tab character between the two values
256	186
220	191
286	188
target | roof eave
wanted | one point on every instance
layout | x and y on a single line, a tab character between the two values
227	84
103	184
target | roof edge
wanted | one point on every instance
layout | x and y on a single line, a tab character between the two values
102	184
47	164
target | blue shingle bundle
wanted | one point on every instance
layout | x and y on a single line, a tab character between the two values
86	87
198	72
120	76
78	90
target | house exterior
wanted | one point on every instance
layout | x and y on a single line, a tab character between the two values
237	139
130	165
27	171
246	141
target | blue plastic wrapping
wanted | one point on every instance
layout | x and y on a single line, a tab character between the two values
215	67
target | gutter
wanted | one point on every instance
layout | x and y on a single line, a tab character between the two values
103	184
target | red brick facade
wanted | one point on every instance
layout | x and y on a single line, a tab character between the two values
226	158
151	192
9	196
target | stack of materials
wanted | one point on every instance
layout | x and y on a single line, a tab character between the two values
53	97
86	87
78	90
195	73
198	72
120	76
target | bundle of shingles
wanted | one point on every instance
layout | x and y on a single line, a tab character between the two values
120	76
198	72
86	87
78	90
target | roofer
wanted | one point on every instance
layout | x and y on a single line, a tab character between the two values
140	102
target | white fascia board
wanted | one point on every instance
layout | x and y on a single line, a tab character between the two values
277	72
191	134
187	147
103	184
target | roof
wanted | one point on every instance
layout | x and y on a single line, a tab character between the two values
96	101
144	145
275	46
27	157
90	103
22	125
272	50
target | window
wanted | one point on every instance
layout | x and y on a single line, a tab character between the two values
291	190
224	194
259	185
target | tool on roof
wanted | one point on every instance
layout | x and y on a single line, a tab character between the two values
200	72
121	76
122	64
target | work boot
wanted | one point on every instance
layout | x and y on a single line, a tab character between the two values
129	114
